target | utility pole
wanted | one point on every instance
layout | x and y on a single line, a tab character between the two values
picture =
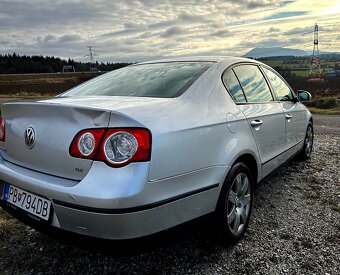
315	73
91	55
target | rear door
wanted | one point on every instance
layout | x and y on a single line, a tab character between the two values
265	117
295	114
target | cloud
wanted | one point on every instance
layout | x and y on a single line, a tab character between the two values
173	31
221	33
147	34
272	42
49	38
191	18
4	42
272	29
136	29
132	25
298	30
70	38
255	4
286	14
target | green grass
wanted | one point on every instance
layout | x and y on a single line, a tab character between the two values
324	105
335	111
304	73
298	67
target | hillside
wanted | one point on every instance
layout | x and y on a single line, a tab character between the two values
276	51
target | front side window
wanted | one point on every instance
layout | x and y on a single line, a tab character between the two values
233	86
253	84
144	80
280	88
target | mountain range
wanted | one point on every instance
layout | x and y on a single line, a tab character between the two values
278	51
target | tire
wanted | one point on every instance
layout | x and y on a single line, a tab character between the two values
308	143
235	204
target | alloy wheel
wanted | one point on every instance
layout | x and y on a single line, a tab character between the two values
309	141
238	203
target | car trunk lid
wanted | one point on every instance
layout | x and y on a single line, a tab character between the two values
54	126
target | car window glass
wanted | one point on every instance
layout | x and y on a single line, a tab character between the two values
253	83
280	88
233	86
144	80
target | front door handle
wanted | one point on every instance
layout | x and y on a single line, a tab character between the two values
256	123
288	116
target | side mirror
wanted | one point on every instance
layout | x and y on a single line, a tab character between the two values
304	95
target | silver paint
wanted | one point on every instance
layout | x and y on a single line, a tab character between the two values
196	138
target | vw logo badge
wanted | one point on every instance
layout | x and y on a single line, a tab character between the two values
29	137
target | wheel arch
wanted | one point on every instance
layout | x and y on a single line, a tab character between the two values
250	161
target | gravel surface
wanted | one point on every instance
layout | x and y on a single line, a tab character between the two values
295	229
327	124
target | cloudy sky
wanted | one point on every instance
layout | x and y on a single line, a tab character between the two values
136	30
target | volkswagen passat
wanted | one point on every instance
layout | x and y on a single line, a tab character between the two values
147	147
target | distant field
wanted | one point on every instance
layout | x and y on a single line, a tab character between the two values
44	85
299	67
330	87
53	84
41	84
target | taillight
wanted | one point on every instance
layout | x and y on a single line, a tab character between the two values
86	143
123	146
2	129
116	147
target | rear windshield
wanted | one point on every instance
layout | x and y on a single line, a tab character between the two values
144	80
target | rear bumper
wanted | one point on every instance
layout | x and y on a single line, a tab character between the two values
119	205
130	225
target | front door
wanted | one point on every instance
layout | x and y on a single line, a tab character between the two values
295	114
264	116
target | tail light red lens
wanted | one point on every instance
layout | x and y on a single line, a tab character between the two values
2	129
81	147
116	147
123	146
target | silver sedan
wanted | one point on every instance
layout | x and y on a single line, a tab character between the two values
150	146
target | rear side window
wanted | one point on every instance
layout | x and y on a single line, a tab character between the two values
233	86
253	84
144	80
280	88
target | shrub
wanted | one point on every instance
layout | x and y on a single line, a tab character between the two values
323	103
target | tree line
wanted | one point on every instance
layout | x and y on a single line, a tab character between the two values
20	64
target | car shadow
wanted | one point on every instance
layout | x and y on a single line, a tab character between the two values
198	234
185	247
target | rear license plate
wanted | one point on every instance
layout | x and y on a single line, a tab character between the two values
27	201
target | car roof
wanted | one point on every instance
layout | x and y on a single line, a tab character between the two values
220	59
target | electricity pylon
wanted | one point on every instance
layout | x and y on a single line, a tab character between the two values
92	54
315	73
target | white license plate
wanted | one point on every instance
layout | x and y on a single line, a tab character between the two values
27	201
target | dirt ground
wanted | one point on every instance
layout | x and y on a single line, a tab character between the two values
295	229
41	84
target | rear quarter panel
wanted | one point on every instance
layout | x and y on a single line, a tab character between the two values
192	134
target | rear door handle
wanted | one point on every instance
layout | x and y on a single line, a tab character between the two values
288	116
256	123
